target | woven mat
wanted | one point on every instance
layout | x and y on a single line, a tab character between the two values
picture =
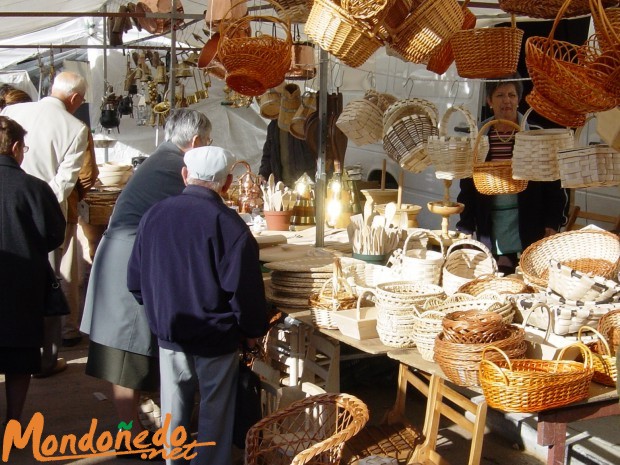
310	265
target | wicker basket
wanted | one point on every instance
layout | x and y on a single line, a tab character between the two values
461	362
294	11
364	276
554	112
466	264
609	327
426	327
495	177
488	302
407	107
244	57
560	73
546	9
592	166
535	153
443	56
533	385
425	29
472	327
361	121
336	31
501	285
335	294
572	285
608	127
453	157
419	264
475	51
607	26
605	371
587	250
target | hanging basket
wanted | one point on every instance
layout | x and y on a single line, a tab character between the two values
425	29
593	166
608	127
269	102
495	177
290	101
452	157
547	9
535	153
244	57
553	112
607	26
466	264
361	121
294	11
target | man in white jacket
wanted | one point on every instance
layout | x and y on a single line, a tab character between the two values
57	142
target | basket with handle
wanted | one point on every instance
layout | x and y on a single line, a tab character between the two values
336	31
572	285
362	276
605	371
535	153
586	250
425	29
452	157
407	107
609	327
443	56
561	75
419	264
554	112
362	121
607	26
532	385
475	51
335	294
466	260
501	285
495	177
244	57
359	323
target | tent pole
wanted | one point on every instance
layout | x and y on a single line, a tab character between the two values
321	177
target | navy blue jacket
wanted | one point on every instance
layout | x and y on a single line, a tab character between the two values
195	267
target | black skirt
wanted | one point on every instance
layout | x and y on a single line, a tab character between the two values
127	369
20	360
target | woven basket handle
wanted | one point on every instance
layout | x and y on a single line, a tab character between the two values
483	130
598	12
476	244
495	367
585	352
431	312
419	233
432	302
549	326
443	124
358	315
601	338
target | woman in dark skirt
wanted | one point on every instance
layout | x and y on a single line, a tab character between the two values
32	226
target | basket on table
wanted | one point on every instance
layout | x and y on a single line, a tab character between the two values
495	177
561	75
453	157
572	285
244	57
532	385
461	362
335	294
363	276
475	51
419	264
604	363
426	27
427	325
405	138
396	302
443	55
488	302
535	153
609	327
554	112
335	30
362	120
472	327
591	251
466	260
499	284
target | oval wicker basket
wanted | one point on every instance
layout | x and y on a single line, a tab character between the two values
467	264
533	385
495	177
501	285
487	302
605	371
419	264
588	251
364	276
535	153
556	113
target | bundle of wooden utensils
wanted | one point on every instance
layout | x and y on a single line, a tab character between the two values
372	234
276	196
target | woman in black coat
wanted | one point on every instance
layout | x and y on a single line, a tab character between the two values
32	225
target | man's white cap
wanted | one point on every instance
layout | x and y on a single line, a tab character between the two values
208	163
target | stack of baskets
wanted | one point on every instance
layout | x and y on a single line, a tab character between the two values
396	302
362	120
460	346
407	125
533	385
420	264
466	260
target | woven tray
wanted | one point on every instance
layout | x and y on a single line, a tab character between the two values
534	385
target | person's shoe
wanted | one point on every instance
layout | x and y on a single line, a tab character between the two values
71	341
61	365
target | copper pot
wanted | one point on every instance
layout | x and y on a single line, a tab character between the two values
157	25
209	50
302	61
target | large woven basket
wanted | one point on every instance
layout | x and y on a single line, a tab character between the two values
336	31
567	74
407	107
571	285
475	51
535	153
534	385
605	371
592	166
547	9
362	121
425	29
466	264
453	157
495	177
501	285
586	250
419	264
554	112
244	57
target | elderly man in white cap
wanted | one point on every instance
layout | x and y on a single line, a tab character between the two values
195	267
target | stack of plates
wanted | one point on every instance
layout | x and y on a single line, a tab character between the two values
293	281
